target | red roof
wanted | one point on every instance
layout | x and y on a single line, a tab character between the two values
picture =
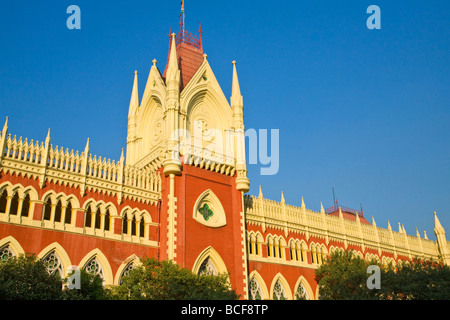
190	57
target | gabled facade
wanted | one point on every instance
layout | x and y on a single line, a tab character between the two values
179	192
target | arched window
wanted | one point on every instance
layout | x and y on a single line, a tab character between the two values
58	211
142	227
98	219
107	220
208	268
94	267
25	206
125	224
126	271
278	291
6	253
301	293
255	290
53	264
88	218
133	226
68	213
48	209
14	204
3	201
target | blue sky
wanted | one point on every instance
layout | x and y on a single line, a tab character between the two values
365	112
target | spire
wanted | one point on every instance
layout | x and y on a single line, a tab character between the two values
236	97
134	101
5	128
437	225
322	210
303	203
172	64
282	197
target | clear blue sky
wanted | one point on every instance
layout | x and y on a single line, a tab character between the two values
364	111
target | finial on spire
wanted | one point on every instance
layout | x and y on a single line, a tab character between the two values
236	97
154	62
134	100
5	127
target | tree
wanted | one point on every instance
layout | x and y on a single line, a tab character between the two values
26	278
165	280
343	277
416	280
91	288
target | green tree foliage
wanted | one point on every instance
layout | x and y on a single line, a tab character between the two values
165	280
91	288
343	276
26	278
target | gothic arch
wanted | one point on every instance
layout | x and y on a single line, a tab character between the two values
106	267
131	259
255	275
309	292
214	257
13	244
282	280
61	252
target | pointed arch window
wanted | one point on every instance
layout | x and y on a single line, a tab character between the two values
98	219
278	291
6	253
3	201
94	267
126	271
88	218
208	268
53	264
47	209
142	227
107	220
301	293
255	290
124	224
68	213
58	211
25	206
133	226
14	204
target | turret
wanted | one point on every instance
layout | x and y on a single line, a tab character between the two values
236	100
441	241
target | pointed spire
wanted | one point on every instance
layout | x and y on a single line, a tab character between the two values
236	97
260	192
134	101
437	225
322	210
417	233
389	226
5	128
282	197
47	139
122	157
425	235
172	65
303	203
86	149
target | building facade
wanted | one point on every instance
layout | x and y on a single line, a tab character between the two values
179	192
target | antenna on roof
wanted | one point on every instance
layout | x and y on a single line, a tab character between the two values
182	16
334	200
